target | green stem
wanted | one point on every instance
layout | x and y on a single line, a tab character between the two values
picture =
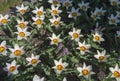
11	32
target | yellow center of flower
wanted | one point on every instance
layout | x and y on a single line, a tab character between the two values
38	22
22	25
59	67
101	58
82	48
39	13
75	35
114	3
12	68
83	7
55	40
17	52
67	4
85	72
21	34
2	49
116	74
99	13
74	14
56	22
54	12
97	38
33	61
55	2
4	21
112	20
22	11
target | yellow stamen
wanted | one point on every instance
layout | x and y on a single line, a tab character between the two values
38	22
39	13
83	7
74	14
112	20
54	12
2	49
12	68
4	21
22	25
82	48
21	34
56	22
75	35
101	58
55	40
116	74
33	61
59	67
97	38
85	72
55	2
22	11
17	52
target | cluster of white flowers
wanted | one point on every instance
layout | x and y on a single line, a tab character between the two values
55	11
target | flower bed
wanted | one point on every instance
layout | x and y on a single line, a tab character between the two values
61	40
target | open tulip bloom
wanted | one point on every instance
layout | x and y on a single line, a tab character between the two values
12	67
60	66
37	78
85	71
3	48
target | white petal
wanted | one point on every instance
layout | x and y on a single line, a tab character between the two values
3	43
36	78
64	79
